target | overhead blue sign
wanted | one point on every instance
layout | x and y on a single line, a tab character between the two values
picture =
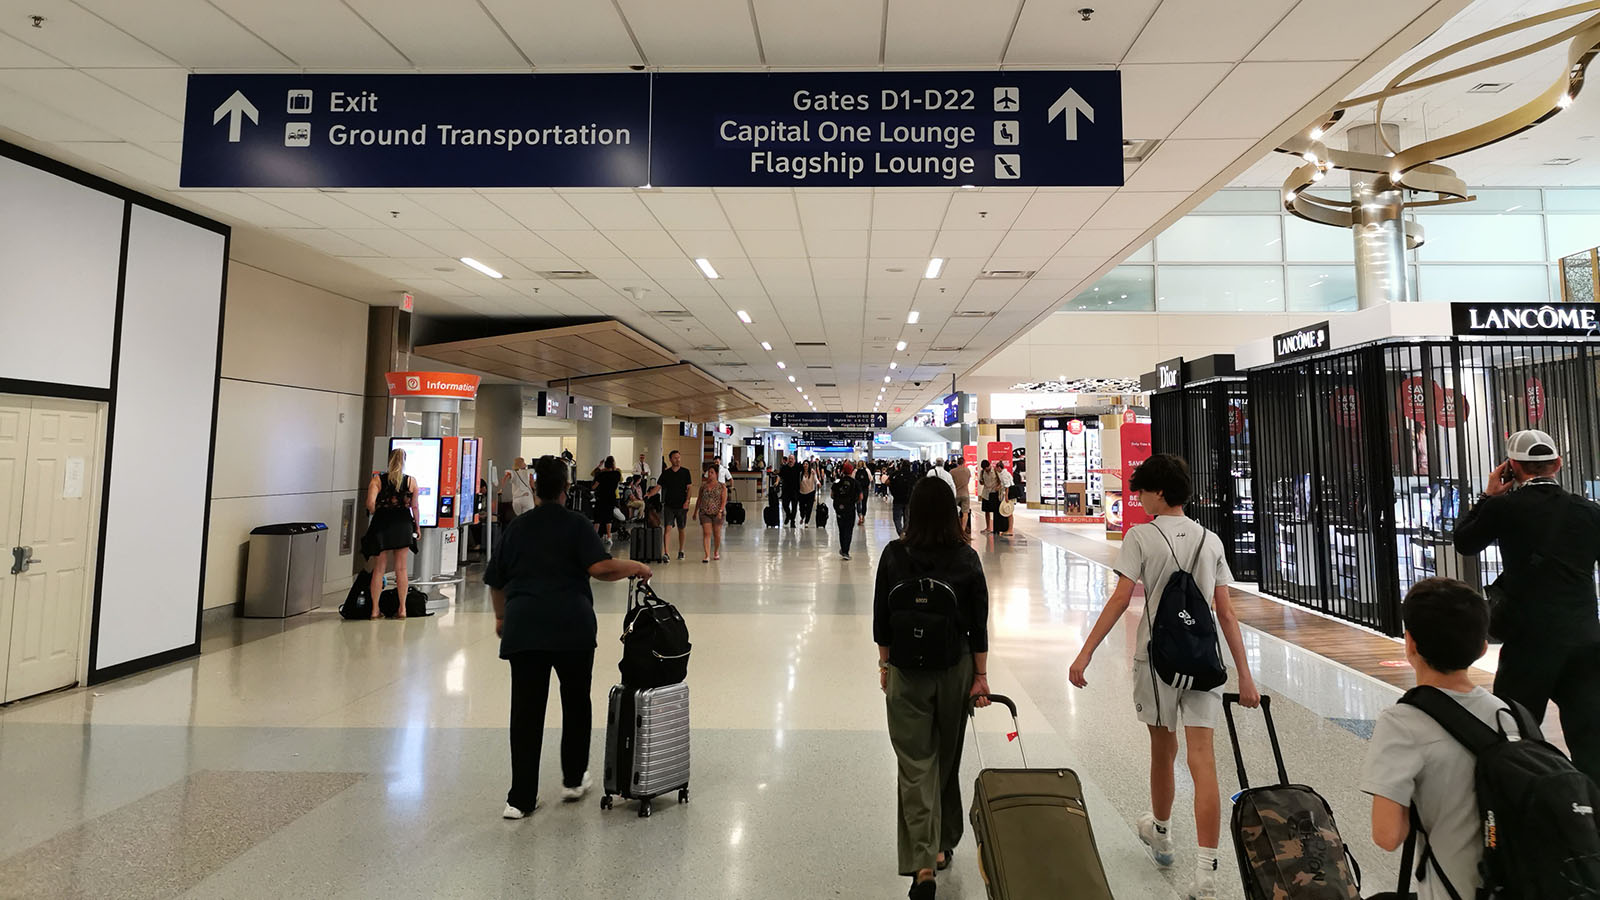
726	129
351	131
813	420
887	129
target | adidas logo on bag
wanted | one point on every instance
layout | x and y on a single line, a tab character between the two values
1187	619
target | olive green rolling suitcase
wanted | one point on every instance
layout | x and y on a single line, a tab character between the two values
1032	829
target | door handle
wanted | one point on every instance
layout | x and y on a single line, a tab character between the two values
23	558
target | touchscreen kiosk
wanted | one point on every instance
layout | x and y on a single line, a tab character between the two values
422	463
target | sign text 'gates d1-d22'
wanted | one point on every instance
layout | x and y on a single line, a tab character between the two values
818	129
505	130
850	420
887	129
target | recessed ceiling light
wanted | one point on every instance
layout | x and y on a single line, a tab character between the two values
791	379
743	316
885	379
912	317
900	346
934	266
469	261
765	345
894	365
799	390
705	266
782	366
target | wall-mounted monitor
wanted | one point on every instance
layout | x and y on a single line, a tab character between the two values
423	457
952	409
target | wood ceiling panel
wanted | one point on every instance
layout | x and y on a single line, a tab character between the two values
553	354
681	391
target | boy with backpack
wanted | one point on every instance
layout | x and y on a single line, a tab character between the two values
1531	809
1178	672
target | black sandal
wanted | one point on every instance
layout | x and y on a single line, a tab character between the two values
948	856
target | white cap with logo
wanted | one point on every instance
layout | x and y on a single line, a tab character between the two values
1532	446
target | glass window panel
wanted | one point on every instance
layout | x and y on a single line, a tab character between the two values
1503	238
1119	290
1447	284
1221	239
1572	198
1240	201
1571	234
1221	288
1493	200
1310	242
1322	288
1144	254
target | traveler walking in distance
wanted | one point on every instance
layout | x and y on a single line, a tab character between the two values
927	697
519	479
808	491
846	490
961	475
711	510
863	488
544	615
789	480
392	533
988	493
674	485
901	481
1543	605
606	479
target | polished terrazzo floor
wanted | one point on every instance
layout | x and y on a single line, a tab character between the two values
322	758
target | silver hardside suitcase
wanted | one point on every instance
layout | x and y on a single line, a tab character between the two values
647	744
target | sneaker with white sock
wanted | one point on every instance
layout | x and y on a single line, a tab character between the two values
1205	880
1157	840
511	812
574	794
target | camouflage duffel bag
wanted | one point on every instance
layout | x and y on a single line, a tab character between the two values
1289	847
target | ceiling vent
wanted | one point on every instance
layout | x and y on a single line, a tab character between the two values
811	343
945	349
819	367
1138	151
1561	161
1007	274
828	384
712	349
972	314
567	275
673	314
1488	87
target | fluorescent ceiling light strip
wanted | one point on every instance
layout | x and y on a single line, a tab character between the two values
935	265
912	317
743	316
705	266
781	365
469	261
765	345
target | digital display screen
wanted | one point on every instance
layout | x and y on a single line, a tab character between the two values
422	463
468	494
952	409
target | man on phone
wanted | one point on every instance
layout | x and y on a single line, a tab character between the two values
1543	603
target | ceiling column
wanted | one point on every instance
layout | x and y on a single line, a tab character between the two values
497	420
1379	226
647	440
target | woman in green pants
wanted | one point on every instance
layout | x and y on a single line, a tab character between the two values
930	619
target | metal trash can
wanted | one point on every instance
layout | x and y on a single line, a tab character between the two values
285	573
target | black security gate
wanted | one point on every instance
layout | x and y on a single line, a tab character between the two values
1207	424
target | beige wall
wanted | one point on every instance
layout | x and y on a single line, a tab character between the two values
288	421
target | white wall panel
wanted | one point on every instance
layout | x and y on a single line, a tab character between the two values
60	246
161	448
273	439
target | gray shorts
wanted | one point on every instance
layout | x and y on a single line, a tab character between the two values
1159	703
674	518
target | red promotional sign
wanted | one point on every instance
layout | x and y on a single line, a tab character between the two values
1135	450
1414	399
1452	407
999	451
1129	417
1533	397
1075	426
446	385
969	454
1345	406
1235	420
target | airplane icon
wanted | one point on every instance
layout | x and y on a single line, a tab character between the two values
1008	166
1007	99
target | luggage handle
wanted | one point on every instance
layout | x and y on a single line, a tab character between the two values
1228	700
1016	729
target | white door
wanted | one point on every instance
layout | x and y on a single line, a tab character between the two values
48	459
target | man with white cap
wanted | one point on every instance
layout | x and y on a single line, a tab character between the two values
1543	604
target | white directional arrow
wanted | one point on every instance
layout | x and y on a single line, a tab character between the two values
1071	103
236	108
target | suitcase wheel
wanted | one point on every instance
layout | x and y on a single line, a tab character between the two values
605	802
683	794
644	809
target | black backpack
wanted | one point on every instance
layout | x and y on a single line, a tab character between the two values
924	624
416	603
1540	839
655	641
1184	648
358	603
845	493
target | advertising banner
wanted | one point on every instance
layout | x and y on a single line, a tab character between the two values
999	452
1135	450
969	454
1345	407
1533	399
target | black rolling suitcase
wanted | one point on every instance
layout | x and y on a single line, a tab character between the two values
1032	829
822	515
647	745
735	512
1284	835
646	543
769	515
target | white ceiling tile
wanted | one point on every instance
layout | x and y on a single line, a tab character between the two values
1186	165
552	263
315	33
383	206
566	32
1054	34
908	209
948	32
984	209
14	54
518	244
129	159
851	288
1219	31
1031	243
672	269
837	243
717	246
1130	209
76	94
826	268
329	242
693	32
820	33
611	269
541	212
1362	28
577	244
611	209
902	243
470	211
455	244
449	33
161	89
834	211
192	32
966	243
1072	268
1064	210
1257	97
320	208
246	208
34	119
643	242
773	243
685	210
752	211
1156	98
74	35
1100	243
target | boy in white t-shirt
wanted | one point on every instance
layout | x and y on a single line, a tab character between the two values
1151	553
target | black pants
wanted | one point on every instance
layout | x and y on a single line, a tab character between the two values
806	502
1534	672
900	508
847	525
530	693
861	505
790	505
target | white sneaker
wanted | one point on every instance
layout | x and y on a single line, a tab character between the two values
574	794
1157	841
1205	884
511	812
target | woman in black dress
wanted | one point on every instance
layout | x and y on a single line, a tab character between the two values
392	504
606	478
